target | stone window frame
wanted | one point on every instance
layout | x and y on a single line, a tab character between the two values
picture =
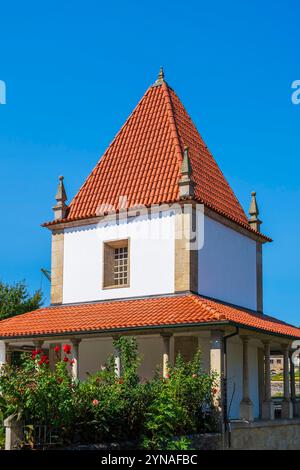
108	274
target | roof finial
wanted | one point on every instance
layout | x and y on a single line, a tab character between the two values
186	185
60	210
254	221
161	77
161	74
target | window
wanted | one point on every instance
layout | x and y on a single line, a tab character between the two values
116	264
121	266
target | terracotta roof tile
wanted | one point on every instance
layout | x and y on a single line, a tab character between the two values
138	313
143	163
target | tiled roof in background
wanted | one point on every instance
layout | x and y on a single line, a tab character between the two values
188	309
143	163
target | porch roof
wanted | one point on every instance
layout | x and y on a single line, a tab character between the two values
152	312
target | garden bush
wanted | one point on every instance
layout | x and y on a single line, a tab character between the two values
154	414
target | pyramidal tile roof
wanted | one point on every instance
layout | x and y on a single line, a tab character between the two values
142	165
187	309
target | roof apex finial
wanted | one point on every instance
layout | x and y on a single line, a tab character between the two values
161	77
161	74
254	221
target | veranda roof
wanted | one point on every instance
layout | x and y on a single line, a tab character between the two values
133	314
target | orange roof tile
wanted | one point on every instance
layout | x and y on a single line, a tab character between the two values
144	160
188	309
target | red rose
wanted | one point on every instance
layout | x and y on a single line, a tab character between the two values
66	359
95	402
57	349
35	352
67	348
214	391
121	381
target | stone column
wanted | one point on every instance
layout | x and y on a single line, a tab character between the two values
261	378
292	377
297	400
217	366
14	435
2	353
268	412
166	337
75	359
293	383
287	405
246	405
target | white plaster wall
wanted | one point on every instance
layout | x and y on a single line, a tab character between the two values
204	346
94	352
227	265
92	355
152	258
235	378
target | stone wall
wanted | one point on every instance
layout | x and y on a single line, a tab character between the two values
271	435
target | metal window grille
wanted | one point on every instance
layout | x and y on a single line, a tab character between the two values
121	266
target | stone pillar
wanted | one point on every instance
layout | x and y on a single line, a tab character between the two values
246	405
217	366
75	359
166	337
261	380
293	384
292	377
13	432
57	266
287	405
268	412
117	356
297	400
2	353
186	257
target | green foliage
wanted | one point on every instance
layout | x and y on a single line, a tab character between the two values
105	408
35	394
183	443
111	408
16	299
181	404
2	437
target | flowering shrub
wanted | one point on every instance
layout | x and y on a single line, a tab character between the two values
105	408
36	394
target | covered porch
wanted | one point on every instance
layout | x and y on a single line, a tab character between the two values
235	343
240	357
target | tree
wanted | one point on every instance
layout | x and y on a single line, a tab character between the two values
16	299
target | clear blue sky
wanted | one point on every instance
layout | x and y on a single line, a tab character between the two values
75	70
